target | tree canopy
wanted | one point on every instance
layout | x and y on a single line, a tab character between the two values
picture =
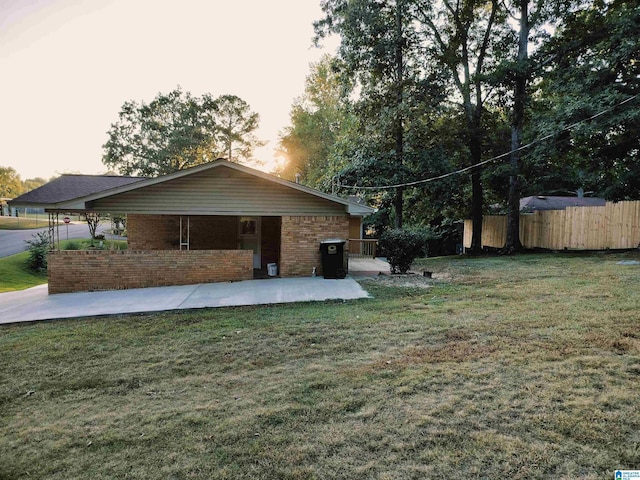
519	97
10	184
178	130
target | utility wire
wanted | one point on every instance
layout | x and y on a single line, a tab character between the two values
493	159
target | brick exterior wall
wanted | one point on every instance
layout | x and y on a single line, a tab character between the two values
162	232
300	244
78	270
153	232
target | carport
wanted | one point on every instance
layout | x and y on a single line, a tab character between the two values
216	222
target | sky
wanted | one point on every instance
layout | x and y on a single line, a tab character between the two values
67	66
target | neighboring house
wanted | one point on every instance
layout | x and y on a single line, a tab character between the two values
214	222
544	202
4	206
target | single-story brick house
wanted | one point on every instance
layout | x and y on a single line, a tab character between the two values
218	221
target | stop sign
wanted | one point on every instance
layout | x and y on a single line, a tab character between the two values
67	220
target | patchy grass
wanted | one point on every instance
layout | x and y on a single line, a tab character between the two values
14	274
523	367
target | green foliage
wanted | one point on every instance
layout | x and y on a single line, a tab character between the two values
38	249
445	72
235	124
320	118
177	131
33	183
10	184
119	222
595	51
402	246
72	245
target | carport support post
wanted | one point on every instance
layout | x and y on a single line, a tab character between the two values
54	228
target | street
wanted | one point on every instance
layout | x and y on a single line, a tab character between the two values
13	241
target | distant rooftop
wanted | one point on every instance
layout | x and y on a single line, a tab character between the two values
544	202
67	187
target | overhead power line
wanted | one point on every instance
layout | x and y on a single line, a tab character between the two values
492	159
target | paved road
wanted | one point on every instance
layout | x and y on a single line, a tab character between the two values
13	241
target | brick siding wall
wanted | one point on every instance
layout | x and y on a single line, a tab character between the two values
300	244
77	271
162	232
153	232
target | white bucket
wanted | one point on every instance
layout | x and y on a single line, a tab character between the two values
272	269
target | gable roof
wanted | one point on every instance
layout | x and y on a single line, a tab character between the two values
132	190
69	186
541	202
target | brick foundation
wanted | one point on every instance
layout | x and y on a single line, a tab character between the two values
300	244
78	270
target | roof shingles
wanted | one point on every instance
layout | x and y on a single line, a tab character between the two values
67	187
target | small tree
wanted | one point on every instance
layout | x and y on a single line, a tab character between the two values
403	246
93	221
38	249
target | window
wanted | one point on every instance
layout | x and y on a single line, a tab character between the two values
248	226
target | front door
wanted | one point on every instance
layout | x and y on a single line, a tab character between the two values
250	237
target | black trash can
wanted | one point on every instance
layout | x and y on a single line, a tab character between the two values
332	252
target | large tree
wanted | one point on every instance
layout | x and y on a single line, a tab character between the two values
33	183
235	126
468	38
178	130
379	50
10	184
320	117
534	19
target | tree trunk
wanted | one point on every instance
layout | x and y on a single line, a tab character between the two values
475	147
399	127
512	243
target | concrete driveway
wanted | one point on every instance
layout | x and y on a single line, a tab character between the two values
35	303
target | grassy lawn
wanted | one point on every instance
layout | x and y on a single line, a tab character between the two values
14	275
524	367
20	223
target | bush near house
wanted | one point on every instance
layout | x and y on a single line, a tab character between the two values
402	246
38	248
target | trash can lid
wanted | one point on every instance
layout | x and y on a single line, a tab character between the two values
333	240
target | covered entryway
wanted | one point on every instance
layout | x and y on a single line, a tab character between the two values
260	234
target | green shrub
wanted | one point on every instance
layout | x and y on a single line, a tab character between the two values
72	246
402	246
38	249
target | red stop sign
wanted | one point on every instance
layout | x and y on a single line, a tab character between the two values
67	220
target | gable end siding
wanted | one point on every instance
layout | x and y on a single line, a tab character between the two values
220	191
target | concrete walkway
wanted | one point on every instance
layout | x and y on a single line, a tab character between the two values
35	303
364	266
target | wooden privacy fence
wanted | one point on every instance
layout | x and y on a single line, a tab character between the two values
614	226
